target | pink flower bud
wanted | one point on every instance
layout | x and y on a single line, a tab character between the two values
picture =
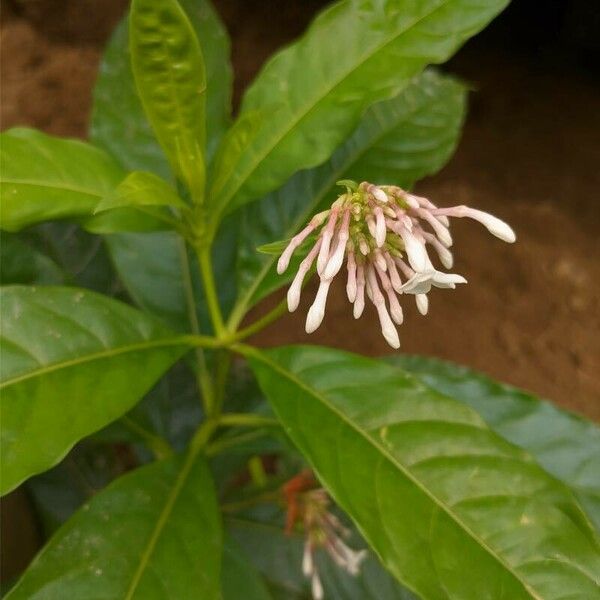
317	310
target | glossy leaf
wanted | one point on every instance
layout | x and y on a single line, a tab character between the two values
44	178
152	534
313	93
416	131
566	445
118	121
140	189
170	76
432	489
72	362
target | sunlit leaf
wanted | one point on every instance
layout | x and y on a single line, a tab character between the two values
417	132
170	76
313	93
140	189
43	178
118	121
450	507
566	445
72	362
154	534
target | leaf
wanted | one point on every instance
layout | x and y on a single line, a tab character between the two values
80	255
43	178
163	278
20	263
151	269
60	491
118	122
431	488
152	534
239	579
140	189
279	558
565	445
168	69
417	132
72	362
314	92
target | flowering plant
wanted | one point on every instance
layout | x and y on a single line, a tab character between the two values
234	472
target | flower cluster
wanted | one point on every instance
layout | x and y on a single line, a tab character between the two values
310	507
383	233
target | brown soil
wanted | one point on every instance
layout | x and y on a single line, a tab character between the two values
529	315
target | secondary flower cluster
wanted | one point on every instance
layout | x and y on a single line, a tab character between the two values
383	233
310	507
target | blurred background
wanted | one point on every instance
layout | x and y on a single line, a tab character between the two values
530	155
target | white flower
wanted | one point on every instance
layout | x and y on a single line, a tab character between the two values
383	233
421	283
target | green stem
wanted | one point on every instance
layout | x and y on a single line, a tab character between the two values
222	370
265	497
227	443
210	290
156	444
261	323
203	378
246	420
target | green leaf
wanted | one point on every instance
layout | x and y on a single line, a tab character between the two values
152	534
170	77
416	132
566	445
314	92
163	278
118	122
151	267
81	256
278	557
43	178
240	579
22	264
72	362
60	491
431	488
140	189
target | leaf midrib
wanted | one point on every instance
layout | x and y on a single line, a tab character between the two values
310	106
323	400
52	186
108	353
163	517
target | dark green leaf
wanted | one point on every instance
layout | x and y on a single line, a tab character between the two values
162	276
22	264
60	491
152	534
416	131
278	557
72	362
45	178
118	121
566	445
450	507
313	93
240	580
170	77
